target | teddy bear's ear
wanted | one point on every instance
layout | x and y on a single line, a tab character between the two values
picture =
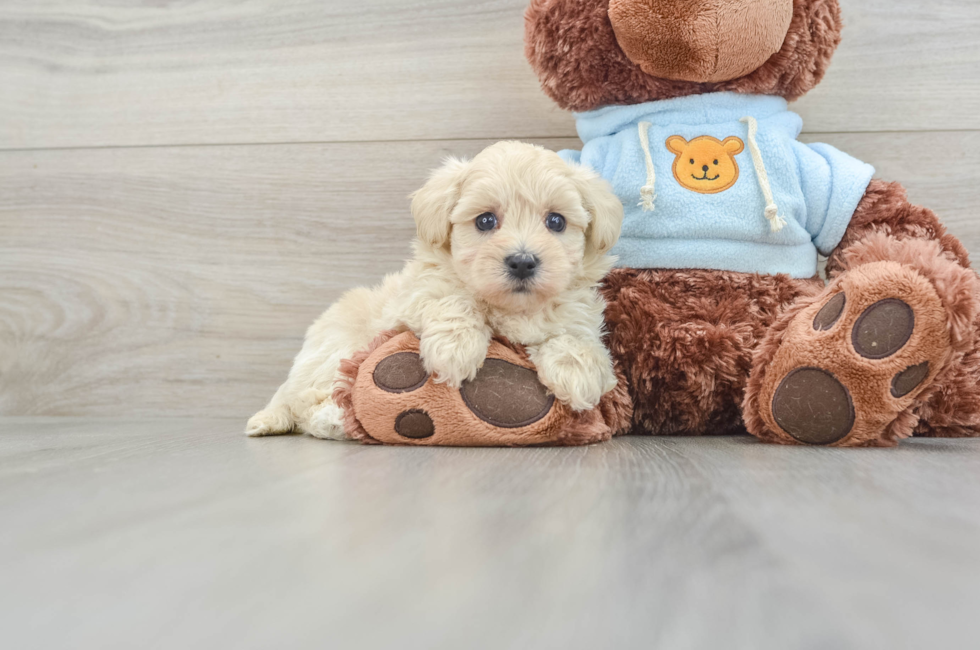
434	202
604	208
676	144
733	146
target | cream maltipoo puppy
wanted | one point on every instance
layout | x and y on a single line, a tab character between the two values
511	243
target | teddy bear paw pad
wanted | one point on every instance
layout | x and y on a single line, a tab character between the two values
504	394
402	372
813	407
414	423
851	362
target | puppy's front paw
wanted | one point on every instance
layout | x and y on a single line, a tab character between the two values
454	357
578	372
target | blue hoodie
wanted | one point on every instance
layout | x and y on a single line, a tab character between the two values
719	181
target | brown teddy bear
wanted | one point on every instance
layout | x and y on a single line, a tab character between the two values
716	317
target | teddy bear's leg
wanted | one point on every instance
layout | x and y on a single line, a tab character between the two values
953	409
887	349
387	396
684	341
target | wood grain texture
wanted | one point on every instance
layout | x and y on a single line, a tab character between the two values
104	73
183	534
179	281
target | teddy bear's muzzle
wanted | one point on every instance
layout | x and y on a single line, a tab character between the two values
707	41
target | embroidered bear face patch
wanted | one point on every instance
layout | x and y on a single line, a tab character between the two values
705	165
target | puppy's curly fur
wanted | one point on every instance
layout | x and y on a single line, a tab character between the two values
458	291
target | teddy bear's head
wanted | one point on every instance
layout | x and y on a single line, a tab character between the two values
593	53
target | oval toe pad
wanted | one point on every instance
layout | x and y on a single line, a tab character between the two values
507	395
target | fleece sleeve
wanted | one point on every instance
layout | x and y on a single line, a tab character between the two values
593	155
571	156
833	184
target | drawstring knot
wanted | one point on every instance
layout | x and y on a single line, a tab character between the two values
776	222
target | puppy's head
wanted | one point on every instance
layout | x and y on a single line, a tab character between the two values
519	224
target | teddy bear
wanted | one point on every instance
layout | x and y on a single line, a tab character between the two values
716	316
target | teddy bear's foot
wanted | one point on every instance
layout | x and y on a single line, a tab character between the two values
847	369
388	397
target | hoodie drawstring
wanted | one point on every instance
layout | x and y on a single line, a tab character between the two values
647	192
776	222
647	196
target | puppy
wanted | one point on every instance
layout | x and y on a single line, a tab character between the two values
511	243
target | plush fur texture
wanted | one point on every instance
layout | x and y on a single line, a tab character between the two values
922	273
573	48
457	292
370	412
721	39
885	209
868	381
887	226
684	340
952	408
951	404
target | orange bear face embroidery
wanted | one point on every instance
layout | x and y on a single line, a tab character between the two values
705	165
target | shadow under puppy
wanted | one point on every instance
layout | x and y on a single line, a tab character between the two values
513	244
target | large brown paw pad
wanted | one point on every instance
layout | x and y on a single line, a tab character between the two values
394	400
850	363
507	395
813	407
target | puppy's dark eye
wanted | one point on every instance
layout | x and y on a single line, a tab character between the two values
716	162
692	161
555	222
486	221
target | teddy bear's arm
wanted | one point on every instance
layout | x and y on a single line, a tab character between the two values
885	210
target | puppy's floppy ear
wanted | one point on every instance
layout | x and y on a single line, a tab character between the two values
604	208
434	202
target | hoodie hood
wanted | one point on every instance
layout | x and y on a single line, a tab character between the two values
712	108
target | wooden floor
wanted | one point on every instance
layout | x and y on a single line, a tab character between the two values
184	186
181	534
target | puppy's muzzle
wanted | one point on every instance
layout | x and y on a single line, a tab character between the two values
522	266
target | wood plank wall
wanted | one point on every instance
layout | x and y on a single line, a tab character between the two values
185	186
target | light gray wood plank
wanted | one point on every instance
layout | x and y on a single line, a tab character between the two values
901	66
209	261
100	73
182	533
180	281
936	168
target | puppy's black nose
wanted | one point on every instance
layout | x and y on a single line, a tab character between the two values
705	168
522	265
